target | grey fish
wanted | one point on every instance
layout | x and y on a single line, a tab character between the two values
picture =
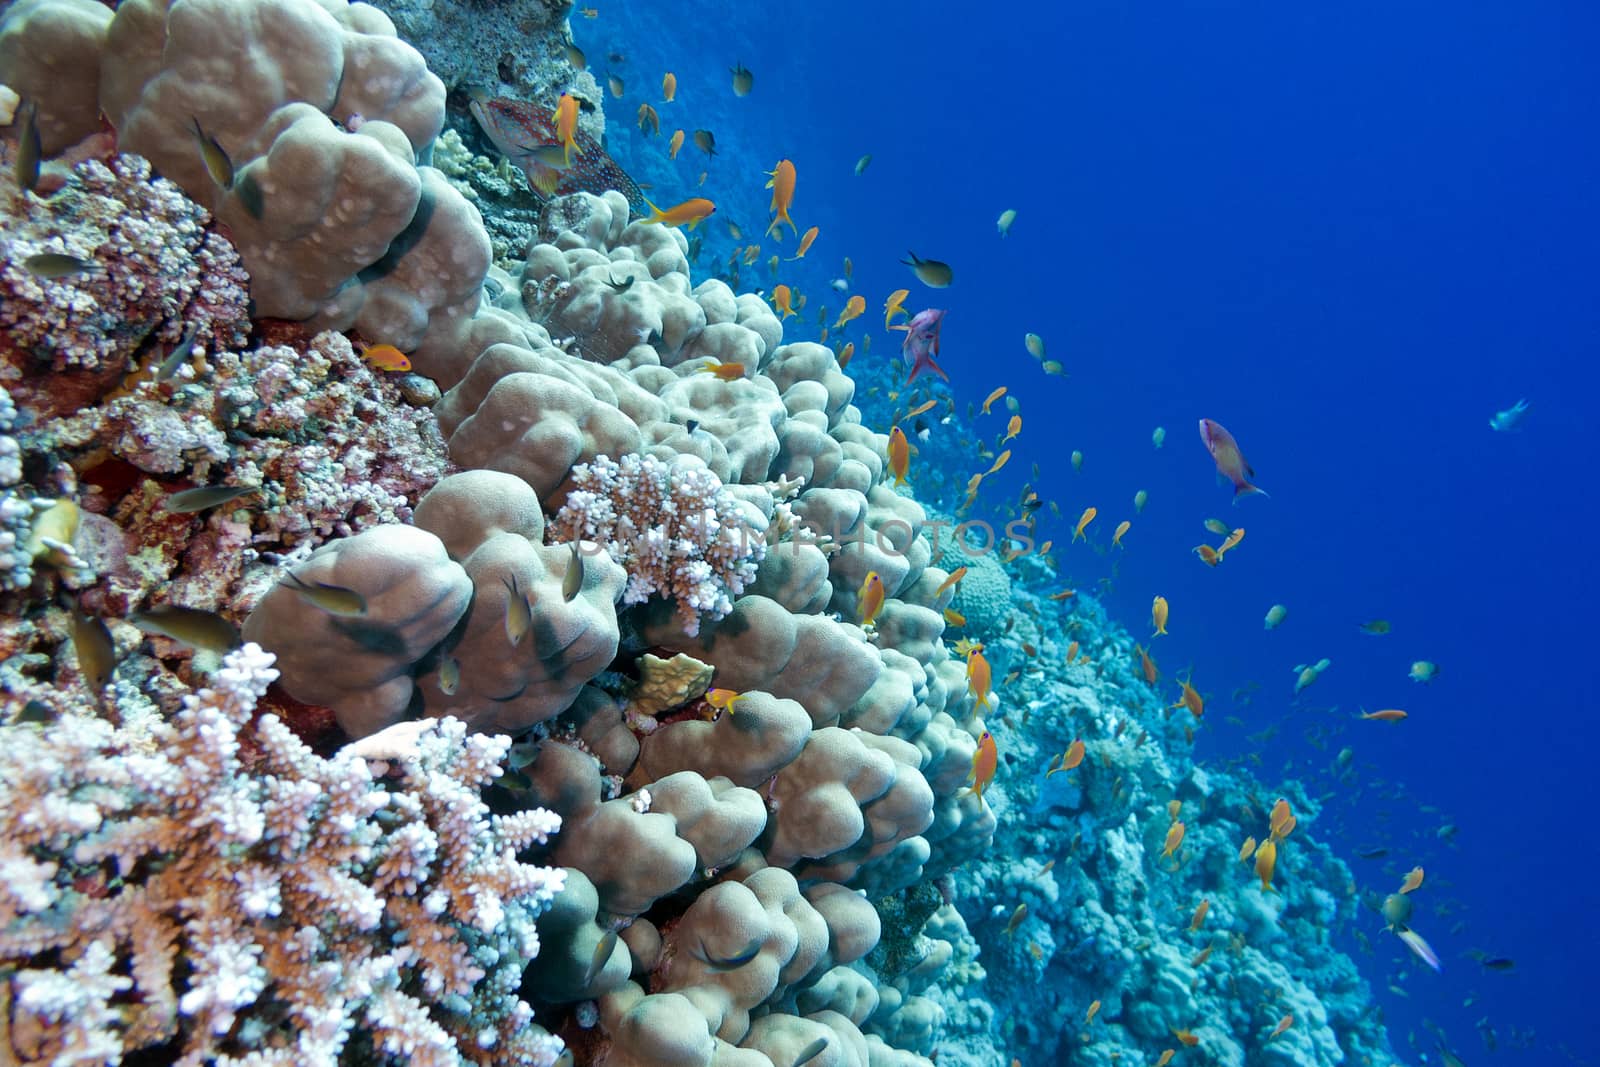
35	711
97	653
29	153
811	1051
519	616
201	629
180	354
602	952
52	266
449	675
743	80
334	599
728	963
622	286
863	163
576	57
207	496
572	582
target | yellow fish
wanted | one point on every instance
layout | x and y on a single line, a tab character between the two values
1122	527
894	304
869	598
1094	1009
852	310
1083	521
1413	880
1013	428
999	461
723	699
992	397
1247	849
1266	863
1174	838
1158	615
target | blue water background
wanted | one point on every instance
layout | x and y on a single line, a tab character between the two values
1347	232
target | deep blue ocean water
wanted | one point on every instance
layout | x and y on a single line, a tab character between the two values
1348	232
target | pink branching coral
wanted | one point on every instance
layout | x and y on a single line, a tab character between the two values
155	890
673	527
158	268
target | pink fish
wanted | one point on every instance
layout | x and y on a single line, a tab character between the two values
1230	461
922	343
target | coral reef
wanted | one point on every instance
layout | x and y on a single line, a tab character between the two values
210	886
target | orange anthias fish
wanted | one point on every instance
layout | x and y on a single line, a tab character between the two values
520	131
782	186
952	617
1190	698
386	357
727	372
1199	916
1013	428
675	144
852	310
691	211
1201	956
567	126
1266	863
781	297
1174	838
992	397
1146	664
1094	1009
984	763
1166	1057
1208	555
723	699
1122	527
869	599
649	121
846	354
1247	849
999	461
954	577
1387	715
1065	594
1413	880
1072	651
1158	615
1073	756
895	304
1283	1024
805	246
978	677
1230	461
899	455
1186	1038
669	87
1083	521
1280	817
925	406
1234	538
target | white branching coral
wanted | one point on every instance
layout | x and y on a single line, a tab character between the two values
318	913
672	526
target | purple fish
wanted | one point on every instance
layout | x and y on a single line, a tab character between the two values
526	134
1230	461
922	343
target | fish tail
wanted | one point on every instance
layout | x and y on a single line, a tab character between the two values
656	214
1243	489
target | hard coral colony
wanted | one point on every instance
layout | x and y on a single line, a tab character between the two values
284	819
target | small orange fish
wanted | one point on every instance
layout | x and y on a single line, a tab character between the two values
1186	1038
978	677
723	699
1094	1009
894	304
1158	615
950	580
1083	521
852	310
1208	555
899	455
922	408
1173	807
1013	428
846	354
805	246
869	598
781	297
999	461
1146	664
984	762
1044	549
782	186
1174	838
727	372
1201	956
1166	1057
751	254
1413	880
567	127
1065	594
649	121
992	397
1283	1024
669	87
1281	813
692	211
1122	527
1199	916
1388	715
385	357
589	12
1266	863
1073	756
1072	651
952	617
1247	849
675	144
1234	538
1017	915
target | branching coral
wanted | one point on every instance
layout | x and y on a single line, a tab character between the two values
311	908
673	526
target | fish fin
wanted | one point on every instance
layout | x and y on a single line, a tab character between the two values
1244	489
